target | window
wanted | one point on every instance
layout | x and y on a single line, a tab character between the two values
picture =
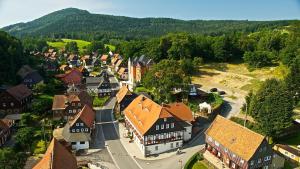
156	148
177	144
267	158
77	130
226	150
157	127
79	104
165	119
73	143
252	162
70	111
73	130
217	144
82	142
162	126
12	104
4	104
167	126
79	110
77	124
233	165
74	111
81	124
259	161
242	161
233	155
172	125
86	129
82	129
73	104
209	139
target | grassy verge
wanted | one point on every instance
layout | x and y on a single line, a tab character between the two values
195	162
99	102
254	85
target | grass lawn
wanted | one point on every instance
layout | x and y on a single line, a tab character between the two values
254	85
141	89
199	165
80	43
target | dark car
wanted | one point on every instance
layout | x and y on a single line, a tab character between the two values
222	92
213	90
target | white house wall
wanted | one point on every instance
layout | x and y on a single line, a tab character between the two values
187	134
163	147
79	146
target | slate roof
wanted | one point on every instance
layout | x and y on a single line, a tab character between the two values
234	137
57	157
19	92
142	60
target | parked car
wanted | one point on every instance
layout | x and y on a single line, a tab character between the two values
213	90
222	92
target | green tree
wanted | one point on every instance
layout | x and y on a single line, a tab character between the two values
272	108
9	159
24	137
96	46
292	81
258	59
163	77
71	47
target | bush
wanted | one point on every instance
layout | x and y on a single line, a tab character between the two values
40	147
99	102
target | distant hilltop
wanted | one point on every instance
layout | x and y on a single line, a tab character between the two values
77	23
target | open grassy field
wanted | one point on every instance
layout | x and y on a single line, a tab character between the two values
236	78
80	43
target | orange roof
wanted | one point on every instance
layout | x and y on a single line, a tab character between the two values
62	67
122	93
59	102
73	98
121	70
114	60
181	111
57	157
234	137
143	113
87	115
104	57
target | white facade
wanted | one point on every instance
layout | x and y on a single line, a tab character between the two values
80	145
160	148
187	134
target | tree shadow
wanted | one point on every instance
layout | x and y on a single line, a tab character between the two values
226	109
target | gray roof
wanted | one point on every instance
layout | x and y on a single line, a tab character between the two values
74	137
93	80
143	60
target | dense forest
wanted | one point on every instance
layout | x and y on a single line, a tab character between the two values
80	24
258	49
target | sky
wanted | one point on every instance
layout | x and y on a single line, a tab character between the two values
15	11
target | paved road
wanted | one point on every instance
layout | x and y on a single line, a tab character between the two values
118	152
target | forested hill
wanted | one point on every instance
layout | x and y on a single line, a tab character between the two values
80	24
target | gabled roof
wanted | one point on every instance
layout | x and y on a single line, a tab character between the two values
24	71
73	98
235	137
180	111
122	93
289	149
19	92
86	115
121	70
104	57
70	77
59	102
119	62
85	98
57	157
143	113
142	61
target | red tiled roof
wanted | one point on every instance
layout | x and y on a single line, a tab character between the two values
87	115
104	57
59	102
181	111
19	92
72	76
57	157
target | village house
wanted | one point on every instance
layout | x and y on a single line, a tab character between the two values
157	129
5	130
57	157
71	77
30	77
123	73
288	152
118	65
137	69
69	105
15	100
78	130
236	146
104	59
74	60
124	98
